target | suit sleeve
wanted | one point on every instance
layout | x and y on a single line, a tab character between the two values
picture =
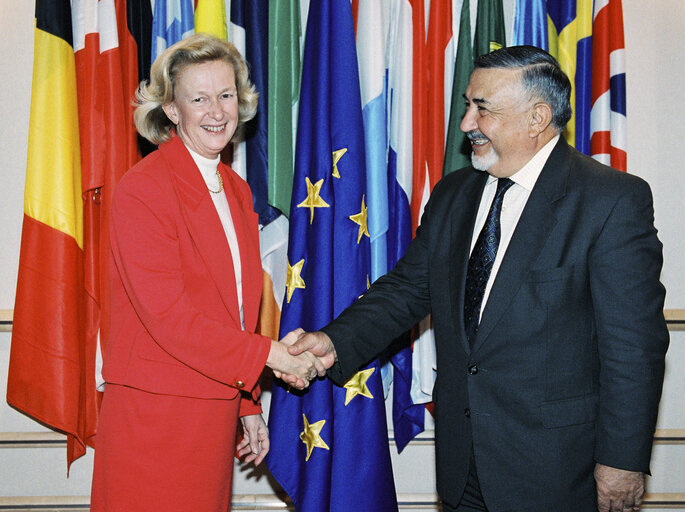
248	405
145	250
628	300
393	304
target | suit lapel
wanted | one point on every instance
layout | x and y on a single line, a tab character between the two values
203	223
531	233
461	232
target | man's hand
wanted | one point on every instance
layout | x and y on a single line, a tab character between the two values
318	344
255	441
619	490
296	370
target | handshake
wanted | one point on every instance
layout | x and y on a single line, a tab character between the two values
301	356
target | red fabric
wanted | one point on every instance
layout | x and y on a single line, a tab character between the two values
419	114
439	35
108	149
166	453
48	330
175	317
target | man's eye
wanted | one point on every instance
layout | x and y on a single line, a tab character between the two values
227	95
197	100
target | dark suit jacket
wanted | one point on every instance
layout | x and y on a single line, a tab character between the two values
175	315
568	363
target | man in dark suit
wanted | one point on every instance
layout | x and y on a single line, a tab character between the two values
542	276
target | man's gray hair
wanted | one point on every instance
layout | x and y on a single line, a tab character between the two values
541	77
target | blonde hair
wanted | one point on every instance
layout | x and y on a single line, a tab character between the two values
151	121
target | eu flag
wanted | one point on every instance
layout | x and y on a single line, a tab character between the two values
329	444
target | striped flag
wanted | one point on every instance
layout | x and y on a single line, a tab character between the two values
608	118
249	24
251	19
282	89
329	444
172	21
439	52
371	58
108	149
46	378
570	42
419	112
408	417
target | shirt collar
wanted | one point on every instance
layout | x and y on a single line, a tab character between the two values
528	175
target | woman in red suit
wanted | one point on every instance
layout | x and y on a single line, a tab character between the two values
183	361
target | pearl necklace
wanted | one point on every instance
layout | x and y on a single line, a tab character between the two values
221	184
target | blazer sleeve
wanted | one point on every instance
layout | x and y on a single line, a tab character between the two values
248	405
393	304
628	299
145	247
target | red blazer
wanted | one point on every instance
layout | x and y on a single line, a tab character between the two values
175	324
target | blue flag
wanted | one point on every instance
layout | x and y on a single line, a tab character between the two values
172	21
253	17
329	444
530	23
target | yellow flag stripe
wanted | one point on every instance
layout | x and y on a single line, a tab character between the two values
53	169
563	47
210	18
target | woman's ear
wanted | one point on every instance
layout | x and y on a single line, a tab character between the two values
170	111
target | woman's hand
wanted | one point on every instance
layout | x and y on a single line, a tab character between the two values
295	370
255	442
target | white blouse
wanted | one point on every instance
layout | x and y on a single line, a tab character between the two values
208	170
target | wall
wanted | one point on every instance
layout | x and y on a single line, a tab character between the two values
32	458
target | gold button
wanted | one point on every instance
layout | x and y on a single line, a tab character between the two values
240	383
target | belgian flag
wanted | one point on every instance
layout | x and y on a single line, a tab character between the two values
48	330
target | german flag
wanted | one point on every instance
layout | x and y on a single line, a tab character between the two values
48	332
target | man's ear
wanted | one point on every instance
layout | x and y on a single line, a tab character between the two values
170	111
540	118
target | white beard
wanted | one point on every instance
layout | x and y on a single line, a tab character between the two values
484	162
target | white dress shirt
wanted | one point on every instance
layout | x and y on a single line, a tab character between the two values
514	201
208	170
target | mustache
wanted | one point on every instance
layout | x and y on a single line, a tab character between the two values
476	135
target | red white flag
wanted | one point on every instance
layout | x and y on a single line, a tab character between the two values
608	115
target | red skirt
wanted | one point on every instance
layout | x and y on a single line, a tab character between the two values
161	452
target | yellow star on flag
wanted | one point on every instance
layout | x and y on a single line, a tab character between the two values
357	385
313	199
337	155
293	279
311	436
360	218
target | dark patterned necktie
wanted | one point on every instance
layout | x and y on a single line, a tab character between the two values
481	260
